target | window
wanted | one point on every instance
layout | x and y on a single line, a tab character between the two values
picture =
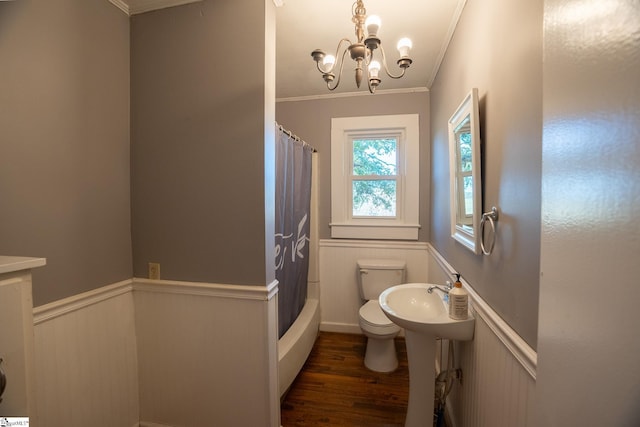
374	177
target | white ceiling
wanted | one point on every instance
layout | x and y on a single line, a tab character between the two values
305	25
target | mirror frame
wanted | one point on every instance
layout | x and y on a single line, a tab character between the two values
468	236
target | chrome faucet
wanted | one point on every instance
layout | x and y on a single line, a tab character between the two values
444	289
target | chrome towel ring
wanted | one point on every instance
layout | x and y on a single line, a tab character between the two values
491	217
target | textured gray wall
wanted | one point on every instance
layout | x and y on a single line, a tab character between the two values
64	142
588	343
311	121
199	115
497	48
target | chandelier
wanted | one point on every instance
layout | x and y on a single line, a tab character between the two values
362	52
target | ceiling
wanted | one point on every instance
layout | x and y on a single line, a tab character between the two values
305	25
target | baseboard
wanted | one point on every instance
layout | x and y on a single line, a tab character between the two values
342	328
148	424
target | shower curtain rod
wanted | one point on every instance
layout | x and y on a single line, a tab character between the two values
294	136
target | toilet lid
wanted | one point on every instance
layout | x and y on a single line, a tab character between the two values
372	313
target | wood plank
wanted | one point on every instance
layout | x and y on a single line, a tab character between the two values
334	387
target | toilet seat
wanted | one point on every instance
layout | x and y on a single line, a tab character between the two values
373	320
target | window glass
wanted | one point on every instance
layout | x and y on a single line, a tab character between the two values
375	156
373	161
374	198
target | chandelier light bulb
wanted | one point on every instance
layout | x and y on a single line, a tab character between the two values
374	68
329	60
373	23
404	45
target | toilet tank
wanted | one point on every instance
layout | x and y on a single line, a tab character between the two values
376	275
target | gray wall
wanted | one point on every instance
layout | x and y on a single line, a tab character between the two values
311	121
497	48
64	142
588	343
200	122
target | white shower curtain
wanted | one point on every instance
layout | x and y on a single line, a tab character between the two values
293	199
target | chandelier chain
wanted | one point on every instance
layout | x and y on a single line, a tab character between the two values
359	16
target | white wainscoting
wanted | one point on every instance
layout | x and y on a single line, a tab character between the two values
158	353
208	353
498	366
339	295
497	390
85	359
172	353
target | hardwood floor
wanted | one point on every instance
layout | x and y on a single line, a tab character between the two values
335	389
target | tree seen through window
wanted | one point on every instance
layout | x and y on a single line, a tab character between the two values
374	177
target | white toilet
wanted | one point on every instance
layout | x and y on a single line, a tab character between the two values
376	275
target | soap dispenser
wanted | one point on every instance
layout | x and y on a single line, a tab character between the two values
458	301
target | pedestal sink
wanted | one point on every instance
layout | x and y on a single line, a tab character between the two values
425	317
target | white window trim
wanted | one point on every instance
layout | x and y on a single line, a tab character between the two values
405	226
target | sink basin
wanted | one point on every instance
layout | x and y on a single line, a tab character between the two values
424	316
410	306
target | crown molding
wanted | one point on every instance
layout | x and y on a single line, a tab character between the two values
447	41
351	94
121	5
133	7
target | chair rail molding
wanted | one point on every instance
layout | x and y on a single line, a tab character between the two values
526	355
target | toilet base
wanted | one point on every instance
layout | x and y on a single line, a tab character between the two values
380	355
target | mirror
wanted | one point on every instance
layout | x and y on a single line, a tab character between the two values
464	167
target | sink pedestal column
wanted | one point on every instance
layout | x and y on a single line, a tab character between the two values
421	353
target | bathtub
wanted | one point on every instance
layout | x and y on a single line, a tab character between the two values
296	344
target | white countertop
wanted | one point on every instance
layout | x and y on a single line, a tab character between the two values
9	264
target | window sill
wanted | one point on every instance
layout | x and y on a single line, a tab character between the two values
380	232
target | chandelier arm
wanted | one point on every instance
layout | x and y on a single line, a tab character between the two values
341	67
343	40
386	68
333	66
